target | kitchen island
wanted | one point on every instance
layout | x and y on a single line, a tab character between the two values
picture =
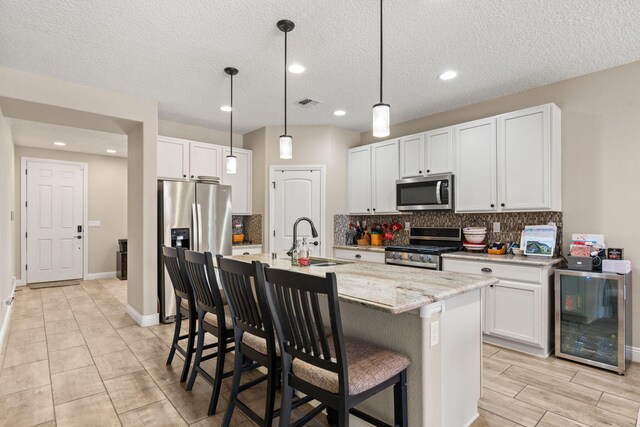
433	317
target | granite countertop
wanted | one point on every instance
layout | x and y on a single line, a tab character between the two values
531	260
367	248
247	245
388	288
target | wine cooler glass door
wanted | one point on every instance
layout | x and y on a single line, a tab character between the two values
591	319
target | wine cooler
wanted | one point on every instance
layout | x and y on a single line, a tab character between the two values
593	318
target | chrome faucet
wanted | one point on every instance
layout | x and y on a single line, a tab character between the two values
314	233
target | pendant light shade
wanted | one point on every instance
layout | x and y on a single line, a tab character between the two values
231	162
286	141
286	147
381	111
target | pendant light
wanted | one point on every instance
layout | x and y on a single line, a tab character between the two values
381	110
231	159
286	141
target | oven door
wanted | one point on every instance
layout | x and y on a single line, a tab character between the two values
425	193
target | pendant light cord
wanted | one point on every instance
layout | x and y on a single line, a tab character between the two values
231	119
285	83
381	51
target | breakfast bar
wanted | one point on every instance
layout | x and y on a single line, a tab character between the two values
433	317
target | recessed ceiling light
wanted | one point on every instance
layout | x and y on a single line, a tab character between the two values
60	144
448	75
296	68
225	108
111	151
339	113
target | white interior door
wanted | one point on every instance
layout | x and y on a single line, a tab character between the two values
54	216
297	193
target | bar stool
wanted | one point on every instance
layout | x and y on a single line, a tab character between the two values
213	318
254	337
185	307
339	373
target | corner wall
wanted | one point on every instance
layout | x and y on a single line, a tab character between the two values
197	133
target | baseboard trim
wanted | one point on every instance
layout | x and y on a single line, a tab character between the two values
4	331
635	353
20	282
103	275
148	320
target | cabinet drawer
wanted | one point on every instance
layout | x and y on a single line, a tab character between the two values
502	271
355	255
246	251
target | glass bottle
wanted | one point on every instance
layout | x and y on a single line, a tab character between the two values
303	253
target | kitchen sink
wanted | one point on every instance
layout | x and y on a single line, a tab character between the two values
325	262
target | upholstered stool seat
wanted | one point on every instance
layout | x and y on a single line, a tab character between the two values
257	343
368	365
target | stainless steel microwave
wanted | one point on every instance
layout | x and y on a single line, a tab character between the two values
425	193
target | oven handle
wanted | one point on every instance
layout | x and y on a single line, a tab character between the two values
438	198
428	265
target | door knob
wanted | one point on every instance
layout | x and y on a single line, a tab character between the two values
316	243
78	237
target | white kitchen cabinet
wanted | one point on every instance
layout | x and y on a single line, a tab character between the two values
529	159
438	151
384	168
241	181
173	158
518	310
412	156
204	159
476	178
357	254
428	153
241	250
359	180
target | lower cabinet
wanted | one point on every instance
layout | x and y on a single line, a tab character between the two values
518	310
358	255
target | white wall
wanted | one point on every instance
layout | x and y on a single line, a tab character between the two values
7	225
197	133
107	202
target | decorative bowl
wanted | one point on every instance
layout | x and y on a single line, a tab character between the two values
475	238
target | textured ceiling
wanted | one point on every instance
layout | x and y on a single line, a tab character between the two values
42	135
175	51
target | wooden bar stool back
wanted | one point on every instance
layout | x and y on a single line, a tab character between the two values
185	307
213	318
338	372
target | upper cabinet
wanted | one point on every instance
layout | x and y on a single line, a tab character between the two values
371	178
240	181
204	159
428	153
180	159
529	159
173	158
475	179
509	163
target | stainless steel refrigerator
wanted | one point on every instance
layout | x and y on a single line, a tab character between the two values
195	216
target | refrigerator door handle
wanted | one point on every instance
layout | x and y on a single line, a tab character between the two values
199	214
194	220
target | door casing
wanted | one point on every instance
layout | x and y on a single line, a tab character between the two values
323	203
23	214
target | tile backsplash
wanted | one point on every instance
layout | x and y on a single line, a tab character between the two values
252	225
511	224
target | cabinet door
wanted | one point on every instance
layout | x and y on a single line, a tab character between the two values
173	158
524	150
359	180
240	181
411	156
513	311
384	168
475	181
204	159
438	151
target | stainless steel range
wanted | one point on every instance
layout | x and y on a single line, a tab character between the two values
425	246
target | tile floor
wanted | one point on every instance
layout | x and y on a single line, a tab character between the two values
75	358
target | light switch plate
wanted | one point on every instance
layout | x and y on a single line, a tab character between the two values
407	225
435	333
95	223
496	227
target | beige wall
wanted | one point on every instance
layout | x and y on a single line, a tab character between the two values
107	192
7	225
600	153
312	145
197	133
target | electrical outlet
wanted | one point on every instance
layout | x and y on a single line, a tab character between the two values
435	333
496	227
407	225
